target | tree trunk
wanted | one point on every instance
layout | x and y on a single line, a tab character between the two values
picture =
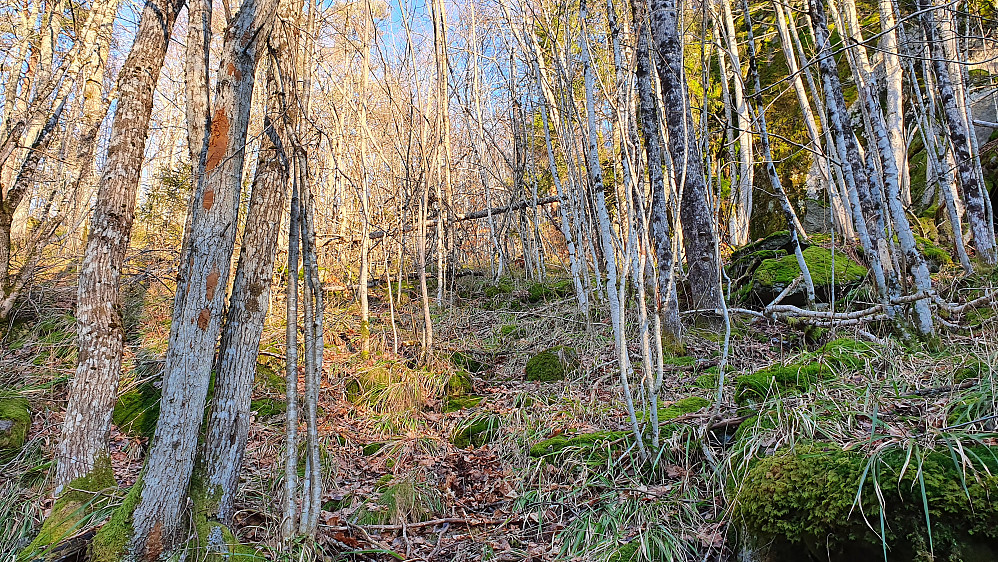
661	226
742	191
699	231
852	166
973	191
98	315
229	417
200	298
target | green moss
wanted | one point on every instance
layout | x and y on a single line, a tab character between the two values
268	376
973	370
802	504
592	448
137	411
935	256
477	431
72	510
503	286
551	364
456	403
267	407
215	541
781	272
511	331
679	361
846	353
373	448
682	407
542	292
111	541
630	552
459	383
782	379
15	421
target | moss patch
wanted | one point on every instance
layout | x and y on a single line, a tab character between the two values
538	292
779	378
456	403
267	407
503	286
72	511
477	431
591	448
137	411
800	504
15	420
552	364
847	353
111	541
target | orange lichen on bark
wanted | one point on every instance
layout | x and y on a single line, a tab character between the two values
212	283
234	72
203	319
218	141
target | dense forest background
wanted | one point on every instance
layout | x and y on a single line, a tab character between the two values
494	280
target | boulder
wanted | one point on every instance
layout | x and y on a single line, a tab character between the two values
552	364
819	502
15	420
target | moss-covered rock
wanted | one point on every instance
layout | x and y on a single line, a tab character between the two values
456	403
503	286
137	410
71	512
773	275
552	364
822	503
548	291
847	354
780	379
477	431
591	448
15	421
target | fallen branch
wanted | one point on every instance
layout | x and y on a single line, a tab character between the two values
339	238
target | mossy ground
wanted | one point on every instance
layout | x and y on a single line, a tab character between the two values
778	380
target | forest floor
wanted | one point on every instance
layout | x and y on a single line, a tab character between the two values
416	467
